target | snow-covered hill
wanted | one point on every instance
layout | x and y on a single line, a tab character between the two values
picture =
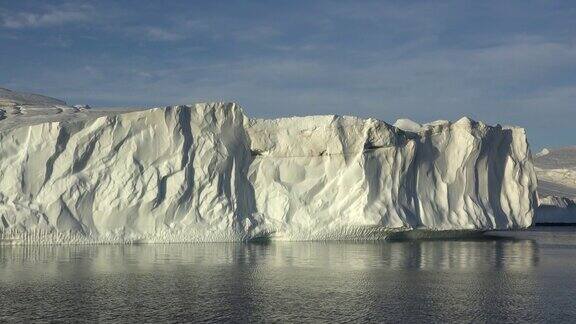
556	172
11	98
19	109
207	172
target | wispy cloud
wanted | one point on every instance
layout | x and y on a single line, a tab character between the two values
255	34
161	34
51	16
161	31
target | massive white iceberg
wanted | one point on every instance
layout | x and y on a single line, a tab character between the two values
206	172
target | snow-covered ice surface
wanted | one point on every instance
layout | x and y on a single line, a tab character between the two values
556	171
408	125
207	172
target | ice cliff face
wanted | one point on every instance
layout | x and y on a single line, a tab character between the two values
208	173
177	173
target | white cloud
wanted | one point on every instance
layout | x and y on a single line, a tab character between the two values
53	16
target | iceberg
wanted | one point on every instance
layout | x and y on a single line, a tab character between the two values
207	172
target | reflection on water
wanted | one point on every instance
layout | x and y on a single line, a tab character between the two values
426	255
492	279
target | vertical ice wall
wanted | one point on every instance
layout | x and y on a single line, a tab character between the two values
344	177
331	177
173	174
470	175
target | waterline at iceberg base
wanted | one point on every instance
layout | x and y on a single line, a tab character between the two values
207	172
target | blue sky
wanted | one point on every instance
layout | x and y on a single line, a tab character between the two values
508	62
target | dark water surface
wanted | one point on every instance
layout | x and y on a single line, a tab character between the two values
528	277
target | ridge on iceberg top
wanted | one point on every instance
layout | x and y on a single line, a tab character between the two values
408	125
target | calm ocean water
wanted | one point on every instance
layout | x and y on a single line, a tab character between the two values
525	276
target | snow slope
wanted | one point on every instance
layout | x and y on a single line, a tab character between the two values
206	172
11	98
556	171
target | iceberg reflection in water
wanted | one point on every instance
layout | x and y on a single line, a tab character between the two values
458	280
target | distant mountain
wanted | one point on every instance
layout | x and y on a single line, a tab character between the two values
18	109
12	98
556	172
